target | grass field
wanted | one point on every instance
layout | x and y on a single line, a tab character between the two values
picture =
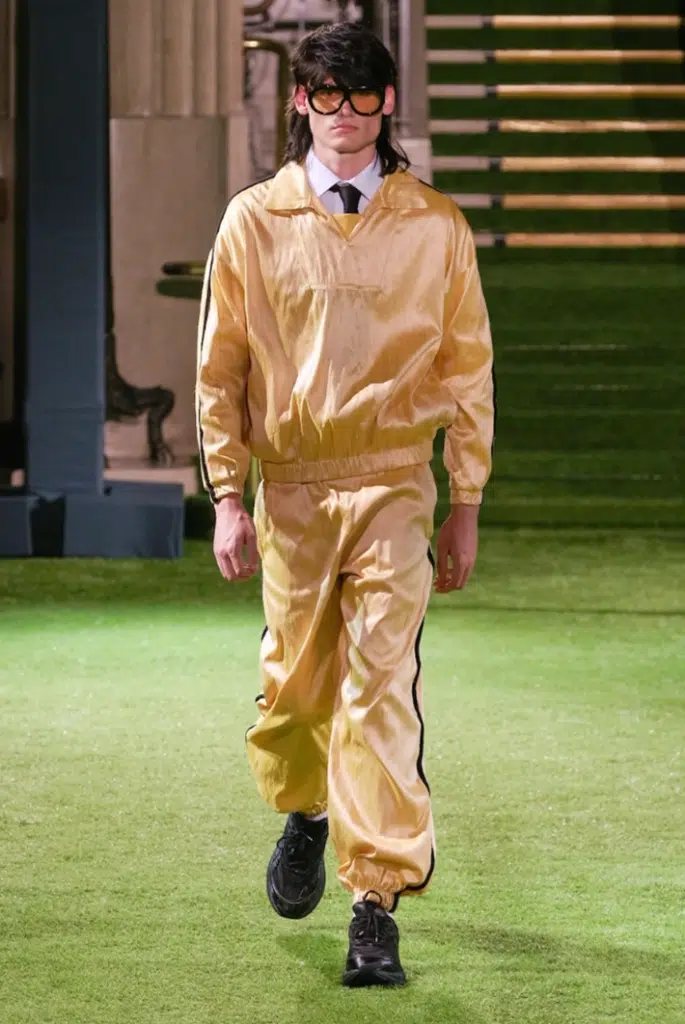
133	845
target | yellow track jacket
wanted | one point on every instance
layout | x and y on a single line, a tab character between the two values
335	346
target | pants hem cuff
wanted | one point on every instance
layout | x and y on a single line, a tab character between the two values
317	809
387	900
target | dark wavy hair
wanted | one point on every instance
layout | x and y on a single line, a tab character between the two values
353	57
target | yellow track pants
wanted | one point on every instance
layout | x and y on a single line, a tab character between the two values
346	578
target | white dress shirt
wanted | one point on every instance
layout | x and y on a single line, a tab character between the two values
322	179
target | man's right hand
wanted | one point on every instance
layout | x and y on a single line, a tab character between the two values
235	540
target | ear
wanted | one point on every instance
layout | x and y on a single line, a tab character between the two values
390	99
300	100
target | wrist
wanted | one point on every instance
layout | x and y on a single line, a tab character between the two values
229	501
467	513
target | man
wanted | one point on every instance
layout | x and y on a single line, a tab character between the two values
343	324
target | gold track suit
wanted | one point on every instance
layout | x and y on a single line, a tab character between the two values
332	348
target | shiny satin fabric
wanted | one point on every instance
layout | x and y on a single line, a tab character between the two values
332	346
347	578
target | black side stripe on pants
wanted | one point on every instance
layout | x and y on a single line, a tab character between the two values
419	762
260	696
417	709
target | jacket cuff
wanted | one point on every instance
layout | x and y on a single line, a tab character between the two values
459	496
217	493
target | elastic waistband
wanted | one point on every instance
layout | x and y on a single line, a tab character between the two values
341	469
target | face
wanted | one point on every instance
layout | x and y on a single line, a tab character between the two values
344	131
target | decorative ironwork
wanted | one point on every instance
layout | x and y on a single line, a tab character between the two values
126	402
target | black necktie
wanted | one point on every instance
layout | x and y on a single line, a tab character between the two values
350	196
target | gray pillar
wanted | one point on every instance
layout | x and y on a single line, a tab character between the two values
66	507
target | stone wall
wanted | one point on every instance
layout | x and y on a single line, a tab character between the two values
179	150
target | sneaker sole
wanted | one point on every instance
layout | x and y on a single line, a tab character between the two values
365	977
296	911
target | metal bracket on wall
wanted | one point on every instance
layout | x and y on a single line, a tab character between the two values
252	10
261	11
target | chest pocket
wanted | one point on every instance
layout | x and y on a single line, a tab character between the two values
309	252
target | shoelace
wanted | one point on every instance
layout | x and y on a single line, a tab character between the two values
296	849
369	925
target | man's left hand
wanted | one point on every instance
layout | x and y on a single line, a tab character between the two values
457	548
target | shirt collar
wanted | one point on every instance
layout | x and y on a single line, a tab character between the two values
322	178
290	189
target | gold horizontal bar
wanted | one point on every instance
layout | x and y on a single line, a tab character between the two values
593	163
462	126
554	56
650	164
548	21
473	200
586	21
592	202
460	92
466	126
456	56
587	240
589	56
592	91
465	163
547	201
571	127
459	21
578	240
545	89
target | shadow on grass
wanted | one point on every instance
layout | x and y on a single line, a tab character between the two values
319	951
413	1004
537	950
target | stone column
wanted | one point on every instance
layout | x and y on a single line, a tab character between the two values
179	150
6	206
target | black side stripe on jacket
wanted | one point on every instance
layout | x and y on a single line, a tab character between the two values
204	317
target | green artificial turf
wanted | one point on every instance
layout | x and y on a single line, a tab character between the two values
133	844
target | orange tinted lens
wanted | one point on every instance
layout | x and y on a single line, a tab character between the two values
365	102
327	101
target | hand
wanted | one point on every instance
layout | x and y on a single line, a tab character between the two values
235	540
457	548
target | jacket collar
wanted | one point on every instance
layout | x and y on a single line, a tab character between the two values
290	190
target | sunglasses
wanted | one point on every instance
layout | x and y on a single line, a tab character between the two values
329	99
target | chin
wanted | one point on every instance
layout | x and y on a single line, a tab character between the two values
348	145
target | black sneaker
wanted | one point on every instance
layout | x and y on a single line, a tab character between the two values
374	957
296	875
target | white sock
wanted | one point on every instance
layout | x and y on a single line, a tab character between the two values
317	817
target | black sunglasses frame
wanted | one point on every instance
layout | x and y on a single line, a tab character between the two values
346	98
